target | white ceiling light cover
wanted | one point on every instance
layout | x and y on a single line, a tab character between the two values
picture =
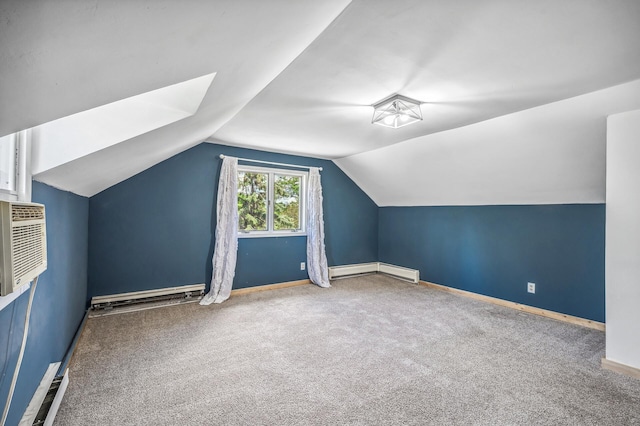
396	111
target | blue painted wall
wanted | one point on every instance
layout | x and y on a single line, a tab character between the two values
59	303
156	229
496	250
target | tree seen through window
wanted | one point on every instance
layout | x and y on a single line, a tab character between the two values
286	213
252	201
256	213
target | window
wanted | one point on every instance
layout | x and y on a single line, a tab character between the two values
8	164
15	170
270	202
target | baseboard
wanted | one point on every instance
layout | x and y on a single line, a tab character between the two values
346	271
146	299
96	313
39	395
57	400
145	294
407	274
524	308
258	288
621	368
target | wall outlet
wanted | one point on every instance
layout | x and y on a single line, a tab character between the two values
531	288
302	266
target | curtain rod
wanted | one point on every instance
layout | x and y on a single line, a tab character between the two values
271	162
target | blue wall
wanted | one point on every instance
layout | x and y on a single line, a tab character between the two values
156	229
496	250
59	303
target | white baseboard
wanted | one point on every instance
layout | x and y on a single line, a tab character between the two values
40	394
110	298
354	269
55	405
408	274
147	299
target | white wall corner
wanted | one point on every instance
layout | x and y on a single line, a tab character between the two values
622	268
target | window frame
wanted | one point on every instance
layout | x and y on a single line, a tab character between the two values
272	172
22	159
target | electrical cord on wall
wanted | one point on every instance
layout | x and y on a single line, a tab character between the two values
7	405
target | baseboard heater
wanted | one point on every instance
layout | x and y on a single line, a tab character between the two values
46	400
147	299
336	272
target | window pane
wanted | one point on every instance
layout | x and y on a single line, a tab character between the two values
286	206
8	163
252	201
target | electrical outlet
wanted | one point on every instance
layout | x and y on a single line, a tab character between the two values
302	266
531	287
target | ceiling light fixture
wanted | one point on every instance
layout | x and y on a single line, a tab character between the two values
396	111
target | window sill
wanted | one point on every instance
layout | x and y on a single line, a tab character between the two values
270	234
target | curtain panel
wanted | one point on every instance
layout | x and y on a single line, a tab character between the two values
316	255
226	246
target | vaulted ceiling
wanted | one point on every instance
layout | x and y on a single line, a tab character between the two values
515	93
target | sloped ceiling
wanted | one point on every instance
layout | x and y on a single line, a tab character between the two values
551	154
59	58
299	77
467	60
66	139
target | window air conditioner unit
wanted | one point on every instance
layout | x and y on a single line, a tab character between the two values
23	246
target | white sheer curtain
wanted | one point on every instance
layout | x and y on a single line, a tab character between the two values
226	246
316	256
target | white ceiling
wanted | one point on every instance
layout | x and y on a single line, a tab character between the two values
299	77
551	154
468	60
74	136
59	58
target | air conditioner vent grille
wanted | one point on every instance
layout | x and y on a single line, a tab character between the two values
23	244
28	248
26	212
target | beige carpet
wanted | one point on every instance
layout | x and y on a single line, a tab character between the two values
368	351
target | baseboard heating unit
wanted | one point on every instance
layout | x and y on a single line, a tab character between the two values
147	299
336	272
46	400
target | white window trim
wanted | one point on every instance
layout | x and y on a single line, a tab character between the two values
22	158
270	233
